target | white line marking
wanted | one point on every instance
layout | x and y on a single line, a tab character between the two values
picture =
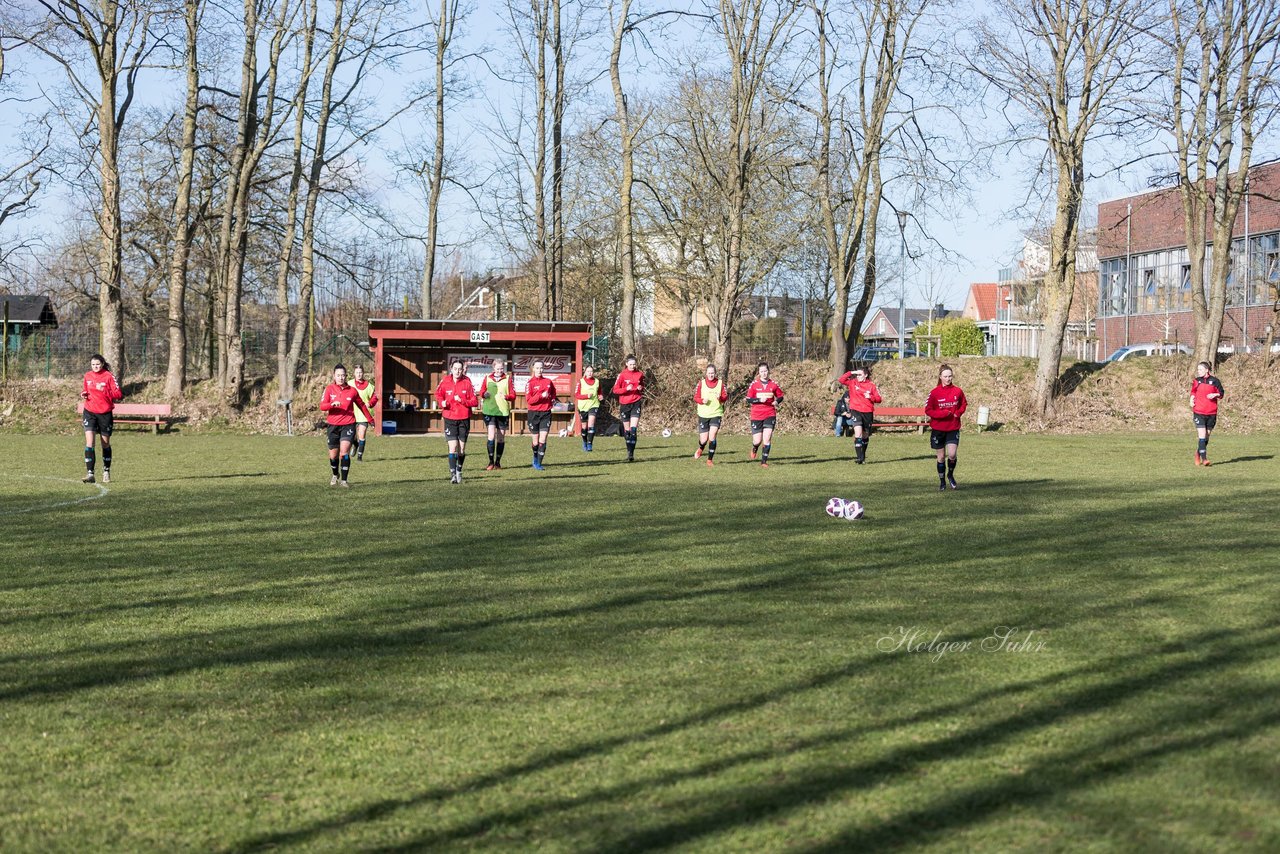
102	492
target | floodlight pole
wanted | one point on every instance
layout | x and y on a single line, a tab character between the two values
902	293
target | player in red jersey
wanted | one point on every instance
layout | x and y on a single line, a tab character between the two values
99	393
1206	391
539	397
764	395
370	401
629	387
863	397
340	402
456	397
945	405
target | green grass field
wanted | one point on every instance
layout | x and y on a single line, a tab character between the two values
221	653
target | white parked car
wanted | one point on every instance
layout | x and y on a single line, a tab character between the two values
1133	351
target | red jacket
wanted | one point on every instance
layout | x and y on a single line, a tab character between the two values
629	387
944	407
540	394
101	391
1201	389
697	390
340	402
863	396
766	409
456	397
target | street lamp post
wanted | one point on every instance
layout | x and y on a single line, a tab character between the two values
1008	319
902	292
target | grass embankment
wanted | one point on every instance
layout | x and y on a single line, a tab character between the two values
222	653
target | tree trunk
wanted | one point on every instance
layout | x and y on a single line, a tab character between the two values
176	374
110	258
1059	280
626	238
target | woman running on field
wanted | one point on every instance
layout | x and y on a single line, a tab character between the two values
99	393
456	397
539	397
497	394
339	403
863	397
945	405
365	389
764	395
629	387
710	396
1206	392
588	398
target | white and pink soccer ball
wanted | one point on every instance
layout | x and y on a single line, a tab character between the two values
844	508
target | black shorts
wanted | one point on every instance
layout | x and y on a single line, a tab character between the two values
705	424
763	423
339	433
502	422
539	422
584	414
1208	422
98	422
627	411
860	419
458	429
939	439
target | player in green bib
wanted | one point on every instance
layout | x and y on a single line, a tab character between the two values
588	397
365	389
710	396
496	397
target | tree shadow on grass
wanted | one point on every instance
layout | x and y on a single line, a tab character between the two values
1114	754
1076	375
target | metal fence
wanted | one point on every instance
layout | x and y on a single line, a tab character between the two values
66	351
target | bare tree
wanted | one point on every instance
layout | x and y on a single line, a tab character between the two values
1062	65
445	26
115	37
176	373
754	35
853	132
258	121
1225	56
20	185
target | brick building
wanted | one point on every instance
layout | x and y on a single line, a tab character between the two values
1144	291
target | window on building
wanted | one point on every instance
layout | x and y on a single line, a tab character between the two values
1150	296
881	328
1272	266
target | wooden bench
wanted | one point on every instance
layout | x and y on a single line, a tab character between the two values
904	416
153	414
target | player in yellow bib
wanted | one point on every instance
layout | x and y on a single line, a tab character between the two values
365	389
588	398
710	396
496	397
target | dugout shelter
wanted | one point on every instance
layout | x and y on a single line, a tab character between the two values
412	356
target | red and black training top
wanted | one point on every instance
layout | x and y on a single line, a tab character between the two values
945	405
340	402
456	397
863	394
540	394
101	391
629	387
1206	391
